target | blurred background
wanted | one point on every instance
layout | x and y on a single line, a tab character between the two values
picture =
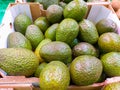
3	6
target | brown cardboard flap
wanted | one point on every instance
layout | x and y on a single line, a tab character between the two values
18	79
15	87
6	88
17	83
36	10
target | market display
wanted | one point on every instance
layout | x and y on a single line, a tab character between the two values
63	48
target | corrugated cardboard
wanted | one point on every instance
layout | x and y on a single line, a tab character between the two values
96	12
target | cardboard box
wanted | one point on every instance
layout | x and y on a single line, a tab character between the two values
32	83
97	11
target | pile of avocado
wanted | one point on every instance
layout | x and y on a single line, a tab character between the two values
62	48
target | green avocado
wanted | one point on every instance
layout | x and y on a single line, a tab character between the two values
47	3
85	70
84	48
16	39
106	25
67	30
112	86
111	63
55	76
109	42
88	32
21	22
34	35
18	61
76	9
54	13
56	51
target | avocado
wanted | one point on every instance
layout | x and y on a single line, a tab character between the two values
40	1
37	50
67	30
106	25
88	32
34	35
85	70
74	42
51	32
109	42
18	61
84	48
54	13
76	9
21	22
47	3
55	51
17	39
42	23
62	4
55	76
39	69
111	63
112	86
